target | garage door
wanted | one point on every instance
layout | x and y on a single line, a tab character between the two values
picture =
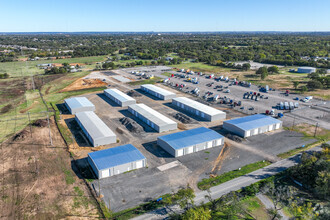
218	142
190	150
248	133
277	125
255	131
139	164
105	173
270	127
209	144
180	152
202	114
197	112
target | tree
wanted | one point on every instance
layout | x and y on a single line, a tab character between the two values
321	71
278	194
246	66
303	88
185	197
314	84
273	69
262	70
295	84
199	213
263	75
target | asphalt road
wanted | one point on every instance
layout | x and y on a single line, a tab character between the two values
232	185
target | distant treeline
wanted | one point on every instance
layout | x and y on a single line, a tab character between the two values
211	48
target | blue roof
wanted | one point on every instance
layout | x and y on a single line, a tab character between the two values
190	137
112	157
253	121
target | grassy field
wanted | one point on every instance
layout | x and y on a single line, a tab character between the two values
201	67
29	68
214	181
33	104
146	81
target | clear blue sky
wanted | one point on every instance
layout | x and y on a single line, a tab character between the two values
164	15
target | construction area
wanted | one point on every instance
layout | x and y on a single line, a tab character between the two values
165	172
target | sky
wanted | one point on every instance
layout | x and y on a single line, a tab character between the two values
163	15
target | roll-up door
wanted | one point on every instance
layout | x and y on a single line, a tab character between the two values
209	144
105	173
180	152
277	125
270	127
248	133
139	164
190	150
255	131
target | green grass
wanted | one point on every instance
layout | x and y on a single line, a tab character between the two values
300	149
146	81
167	74
201	67
29	68
214	181
69	176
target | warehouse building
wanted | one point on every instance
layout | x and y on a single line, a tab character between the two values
119	97
196	108
116	160
158	92
190	141
79	104
252	125
306	70
97	132
154	119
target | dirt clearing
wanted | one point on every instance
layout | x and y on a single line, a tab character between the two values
38	181
84	84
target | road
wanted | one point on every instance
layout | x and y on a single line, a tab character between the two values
232	185
270	205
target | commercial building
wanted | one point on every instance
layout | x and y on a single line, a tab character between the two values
189	141
79	104
119	97
97	132
252	125
154	119
158	92
306	70
196	108
113	161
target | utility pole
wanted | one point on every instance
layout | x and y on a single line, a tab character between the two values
30	123
317	124
50	136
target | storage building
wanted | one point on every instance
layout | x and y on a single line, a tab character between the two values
119	97
97	132
196	108
113	161
152	118
158	92
79	104
189	141
252	125
306	70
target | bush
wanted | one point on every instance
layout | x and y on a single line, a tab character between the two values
314	84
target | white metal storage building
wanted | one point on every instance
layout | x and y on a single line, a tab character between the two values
113	161
97	132
152	118
79	104
306	70
189	141
119	97
252	125
196	108
158	92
